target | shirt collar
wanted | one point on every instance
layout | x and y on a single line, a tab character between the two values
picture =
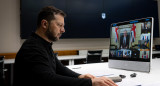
41	39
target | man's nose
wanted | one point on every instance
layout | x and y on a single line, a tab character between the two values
63	30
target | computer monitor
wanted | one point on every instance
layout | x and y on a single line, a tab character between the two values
131	45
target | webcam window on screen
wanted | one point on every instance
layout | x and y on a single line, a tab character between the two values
131	45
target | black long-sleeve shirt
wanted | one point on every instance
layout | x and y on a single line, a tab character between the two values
36	65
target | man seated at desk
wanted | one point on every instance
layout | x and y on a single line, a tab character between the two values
37	65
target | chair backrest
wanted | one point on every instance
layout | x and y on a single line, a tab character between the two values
1	71
94	56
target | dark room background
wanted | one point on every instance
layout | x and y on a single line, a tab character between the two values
84	17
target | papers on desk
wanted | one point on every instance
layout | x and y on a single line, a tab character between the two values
128	82
152	84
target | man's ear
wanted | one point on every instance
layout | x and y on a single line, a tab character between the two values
44	24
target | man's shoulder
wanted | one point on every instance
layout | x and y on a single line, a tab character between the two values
30	48
32	44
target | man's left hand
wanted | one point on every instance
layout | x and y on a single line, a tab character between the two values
87	76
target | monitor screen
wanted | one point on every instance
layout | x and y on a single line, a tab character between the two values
130	42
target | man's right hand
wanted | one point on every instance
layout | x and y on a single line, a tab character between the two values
102	81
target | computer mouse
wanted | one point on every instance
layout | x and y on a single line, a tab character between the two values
122	76
133	75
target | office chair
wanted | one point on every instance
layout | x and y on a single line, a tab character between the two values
1	70
94	56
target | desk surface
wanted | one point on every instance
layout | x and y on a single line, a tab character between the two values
68	57
145	79
155	52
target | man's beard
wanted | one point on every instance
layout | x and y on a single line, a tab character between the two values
50	35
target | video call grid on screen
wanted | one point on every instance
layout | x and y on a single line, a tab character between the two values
131	40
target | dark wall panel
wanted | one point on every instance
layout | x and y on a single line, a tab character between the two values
84	17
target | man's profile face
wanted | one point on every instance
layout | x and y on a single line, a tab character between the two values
146	26
145	43
55	28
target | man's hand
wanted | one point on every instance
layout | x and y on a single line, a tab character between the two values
102	81
87	76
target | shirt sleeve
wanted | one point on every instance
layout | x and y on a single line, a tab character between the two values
44	74
62	70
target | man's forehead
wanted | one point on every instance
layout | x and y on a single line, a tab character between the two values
59	18
59	21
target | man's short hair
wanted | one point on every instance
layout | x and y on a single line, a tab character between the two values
48	13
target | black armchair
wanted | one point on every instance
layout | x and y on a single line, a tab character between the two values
1	70
94	56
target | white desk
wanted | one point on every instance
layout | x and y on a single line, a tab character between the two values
155	52
70	58
145	79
